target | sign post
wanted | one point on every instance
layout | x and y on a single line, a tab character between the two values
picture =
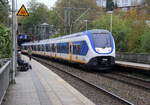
14	30
22	12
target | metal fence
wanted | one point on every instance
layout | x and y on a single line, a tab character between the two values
134	57
4	78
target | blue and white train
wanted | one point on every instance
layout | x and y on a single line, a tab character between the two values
93	48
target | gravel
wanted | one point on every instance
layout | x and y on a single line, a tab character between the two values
132	94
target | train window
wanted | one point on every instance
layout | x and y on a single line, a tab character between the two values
63	47
50	47
27	47
53	48
46	47
43	49
32	47
80	48
76	49
39	49
36	47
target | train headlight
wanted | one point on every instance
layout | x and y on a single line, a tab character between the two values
105	59
104	50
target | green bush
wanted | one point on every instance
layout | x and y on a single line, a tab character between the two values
120	29
145	40
5	42
130	31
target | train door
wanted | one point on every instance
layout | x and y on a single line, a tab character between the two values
70	51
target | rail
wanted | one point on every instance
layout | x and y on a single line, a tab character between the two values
134	57
4	79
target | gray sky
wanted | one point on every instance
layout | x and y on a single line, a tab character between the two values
49	3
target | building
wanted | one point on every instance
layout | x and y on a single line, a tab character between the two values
125	4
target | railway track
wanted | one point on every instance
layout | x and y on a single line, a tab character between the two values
125	78
118	98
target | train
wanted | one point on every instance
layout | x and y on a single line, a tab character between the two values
92	48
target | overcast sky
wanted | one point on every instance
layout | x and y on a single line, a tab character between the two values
49	3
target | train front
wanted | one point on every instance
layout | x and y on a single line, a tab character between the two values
103	49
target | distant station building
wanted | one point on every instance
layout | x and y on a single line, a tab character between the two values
123	4
43	31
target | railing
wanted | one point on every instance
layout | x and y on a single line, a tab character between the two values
134	57
4	78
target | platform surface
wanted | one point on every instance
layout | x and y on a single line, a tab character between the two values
134	65
40	86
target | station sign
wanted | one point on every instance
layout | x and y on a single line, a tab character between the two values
23	11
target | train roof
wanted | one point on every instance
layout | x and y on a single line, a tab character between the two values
67	36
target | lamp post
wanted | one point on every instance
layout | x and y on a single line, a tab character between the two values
86	24
109	8
111	19
14	29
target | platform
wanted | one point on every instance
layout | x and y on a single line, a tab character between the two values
41	86
134	65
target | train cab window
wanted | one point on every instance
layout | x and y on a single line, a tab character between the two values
101	40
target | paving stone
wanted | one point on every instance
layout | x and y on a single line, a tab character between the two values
40	86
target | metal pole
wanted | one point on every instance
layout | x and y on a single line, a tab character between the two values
111	17
86	24
14	40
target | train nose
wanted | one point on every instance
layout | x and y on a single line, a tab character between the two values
102	61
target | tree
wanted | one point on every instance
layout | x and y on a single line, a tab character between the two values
147	5
145	40
38	14
4	12
128	30
5	42
120	29
70	11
